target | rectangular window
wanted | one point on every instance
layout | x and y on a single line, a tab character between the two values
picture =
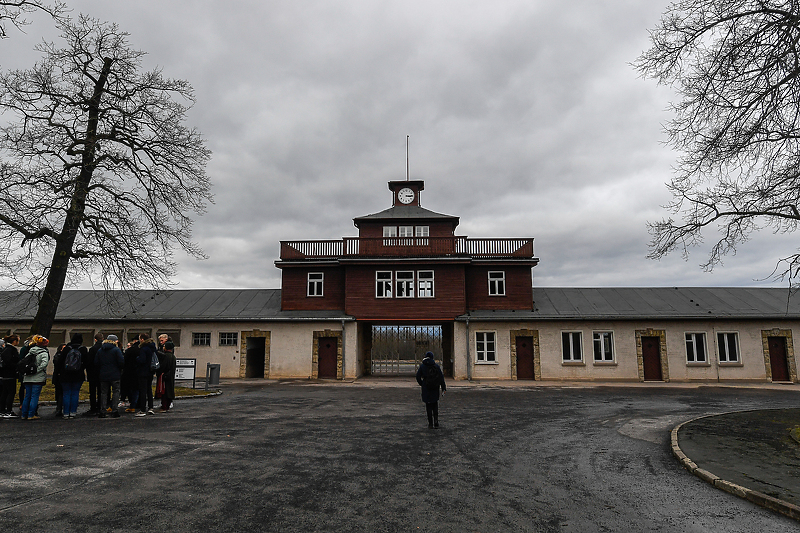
422	231
425	283
391	233
497	283
728	347
405	231
696	348
603	346
485	346
315	284
571	346
404	282
228	339
201	339
383	284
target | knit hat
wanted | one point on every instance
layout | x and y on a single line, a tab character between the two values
112	338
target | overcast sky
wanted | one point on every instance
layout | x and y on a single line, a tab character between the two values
525	119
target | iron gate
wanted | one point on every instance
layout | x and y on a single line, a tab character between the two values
398	350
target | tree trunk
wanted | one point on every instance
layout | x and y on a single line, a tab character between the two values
51	296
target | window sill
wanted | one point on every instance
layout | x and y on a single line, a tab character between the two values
604	363
573	363
698	364
736	363
487	362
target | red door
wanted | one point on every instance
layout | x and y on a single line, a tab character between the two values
777	358
651	358
525	358
326	354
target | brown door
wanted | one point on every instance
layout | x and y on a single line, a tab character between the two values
327	357
525	358
651	358
777	358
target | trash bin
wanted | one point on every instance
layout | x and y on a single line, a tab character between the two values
212	374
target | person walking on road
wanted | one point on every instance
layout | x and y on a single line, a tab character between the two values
431	379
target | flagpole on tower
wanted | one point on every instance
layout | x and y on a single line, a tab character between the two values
408	172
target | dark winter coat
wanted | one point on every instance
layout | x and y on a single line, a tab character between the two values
168	364
147	350
92	369
430	394
109	362
10	358
129	372
71	376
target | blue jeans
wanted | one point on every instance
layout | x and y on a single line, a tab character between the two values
31	401
71	391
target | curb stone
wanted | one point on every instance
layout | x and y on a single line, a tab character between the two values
753	496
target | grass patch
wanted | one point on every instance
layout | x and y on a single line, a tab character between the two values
49	392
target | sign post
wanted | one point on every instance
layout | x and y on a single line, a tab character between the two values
185	370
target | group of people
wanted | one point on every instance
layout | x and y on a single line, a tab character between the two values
119	379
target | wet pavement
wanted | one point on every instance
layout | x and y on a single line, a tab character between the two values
752	450
329	457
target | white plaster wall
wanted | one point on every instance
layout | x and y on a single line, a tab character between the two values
625	365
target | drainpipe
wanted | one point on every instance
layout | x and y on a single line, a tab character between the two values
469	359
344	338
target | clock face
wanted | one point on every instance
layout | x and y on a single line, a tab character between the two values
405	195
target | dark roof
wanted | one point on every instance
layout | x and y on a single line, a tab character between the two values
629	303
550	303
405	212
194	304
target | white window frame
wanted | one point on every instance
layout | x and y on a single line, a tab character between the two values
497	282
572	356
604	340
724	349
201	338
404	283
390	235
383	284
227	336
422	231
314	284
693	355
425	284
486	347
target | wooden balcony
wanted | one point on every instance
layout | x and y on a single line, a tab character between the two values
391	247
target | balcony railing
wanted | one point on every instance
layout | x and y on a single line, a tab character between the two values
354	247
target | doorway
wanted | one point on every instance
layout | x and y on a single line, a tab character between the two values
525	369
651	358
777	358
255	357
327	352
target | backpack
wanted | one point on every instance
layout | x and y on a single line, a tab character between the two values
72	359
431	375
27	366
154	364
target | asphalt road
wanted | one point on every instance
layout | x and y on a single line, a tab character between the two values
359	457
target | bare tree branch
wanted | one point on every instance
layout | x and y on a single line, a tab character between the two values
100	175
735	65
13	12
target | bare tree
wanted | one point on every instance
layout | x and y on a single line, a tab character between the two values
735	66
98	172
14	12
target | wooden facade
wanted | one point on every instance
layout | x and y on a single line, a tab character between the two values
429	272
